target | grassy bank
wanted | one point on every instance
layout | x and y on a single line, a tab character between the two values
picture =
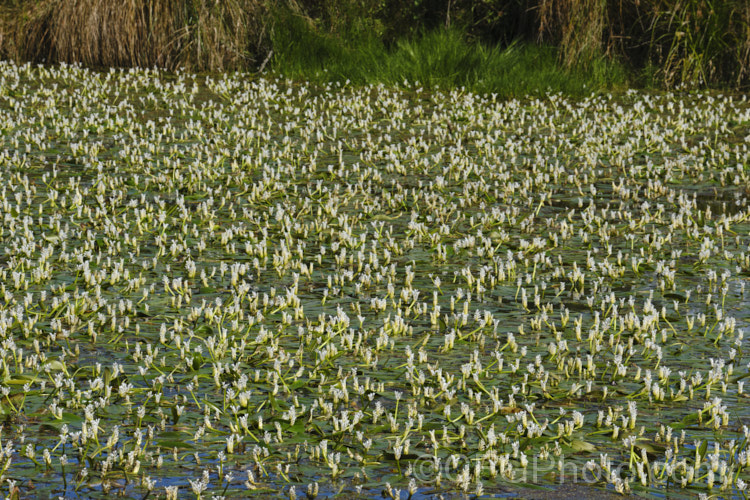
503	46
438	59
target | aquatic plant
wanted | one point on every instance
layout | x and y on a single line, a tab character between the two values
224	285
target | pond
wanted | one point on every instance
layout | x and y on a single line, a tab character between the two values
226	286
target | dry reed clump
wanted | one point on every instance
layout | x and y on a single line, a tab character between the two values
197	34
578	26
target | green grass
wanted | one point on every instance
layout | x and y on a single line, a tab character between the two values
436	59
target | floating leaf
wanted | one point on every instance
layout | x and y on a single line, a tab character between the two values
579	446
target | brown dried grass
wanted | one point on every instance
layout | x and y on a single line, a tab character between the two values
196	34
578	26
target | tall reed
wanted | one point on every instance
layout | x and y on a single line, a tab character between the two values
578	26
199	34
700	41
681	42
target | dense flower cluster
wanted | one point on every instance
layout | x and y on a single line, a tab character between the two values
210	285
